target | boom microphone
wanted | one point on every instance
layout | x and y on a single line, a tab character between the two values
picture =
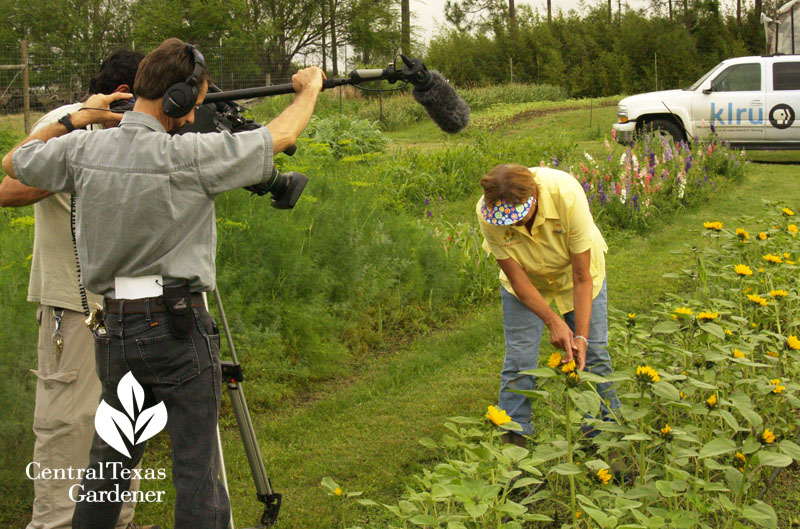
440	100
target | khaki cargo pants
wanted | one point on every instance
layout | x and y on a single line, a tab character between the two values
67	396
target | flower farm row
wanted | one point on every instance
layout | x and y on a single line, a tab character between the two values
708	383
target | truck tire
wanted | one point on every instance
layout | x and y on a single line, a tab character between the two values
664	128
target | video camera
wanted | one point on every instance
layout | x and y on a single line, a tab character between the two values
228	116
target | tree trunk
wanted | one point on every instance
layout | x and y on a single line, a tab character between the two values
758	8
549	10
738	11
609	11
686	13
670	10
324	23
512	18
405	15
334	55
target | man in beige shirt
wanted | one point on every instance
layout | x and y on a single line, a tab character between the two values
67	387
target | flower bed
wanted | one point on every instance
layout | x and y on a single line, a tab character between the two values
709	412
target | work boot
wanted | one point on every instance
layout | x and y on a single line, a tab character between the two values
515	438
134	525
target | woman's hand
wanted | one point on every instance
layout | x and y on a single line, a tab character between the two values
561	337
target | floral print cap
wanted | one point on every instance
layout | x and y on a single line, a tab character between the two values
503	214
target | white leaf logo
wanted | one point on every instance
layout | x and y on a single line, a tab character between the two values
112	424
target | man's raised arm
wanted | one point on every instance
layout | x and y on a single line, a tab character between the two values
293	120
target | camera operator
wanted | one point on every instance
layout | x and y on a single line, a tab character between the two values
67	387
152	214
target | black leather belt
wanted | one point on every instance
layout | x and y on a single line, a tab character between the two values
139	306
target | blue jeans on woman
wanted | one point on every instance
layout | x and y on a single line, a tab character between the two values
523	334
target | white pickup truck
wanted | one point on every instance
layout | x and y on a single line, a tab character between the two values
751	102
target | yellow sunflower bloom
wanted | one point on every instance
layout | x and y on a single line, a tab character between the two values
569	367
780	293
728	332
793	343
738	354
337	491
666	431
743	270
788	212
763	235
647	375
682	312
716	226
708	316
772	354
603	476
683	395
792	228
772	258
711	402
742	234
778	389
497	416
758	300
767	437
554	361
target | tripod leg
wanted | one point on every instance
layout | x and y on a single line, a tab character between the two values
223	475
232	373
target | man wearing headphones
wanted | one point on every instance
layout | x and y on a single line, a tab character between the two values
67	387
148	244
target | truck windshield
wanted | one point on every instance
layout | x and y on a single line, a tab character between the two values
706	76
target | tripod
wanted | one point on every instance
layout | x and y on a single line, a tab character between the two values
232	374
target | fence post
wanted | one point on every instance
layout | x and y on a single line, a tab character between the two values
26	94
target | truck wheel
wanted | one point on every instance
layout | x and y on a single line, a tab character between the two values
664	129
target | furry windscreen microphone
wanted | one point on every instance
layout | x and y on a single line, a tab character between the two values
445	107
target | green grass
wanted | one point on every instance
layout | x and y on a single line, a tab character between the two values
361	426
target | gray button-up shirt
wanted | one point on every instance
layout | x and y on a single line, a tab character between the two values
145	199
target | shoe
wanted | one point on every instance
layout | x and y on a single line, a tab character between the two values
134	525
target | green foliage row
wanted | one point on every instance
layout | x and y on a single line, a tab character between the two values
593	56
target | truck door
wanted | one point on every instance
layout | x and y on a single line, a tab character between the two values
783	102
734	103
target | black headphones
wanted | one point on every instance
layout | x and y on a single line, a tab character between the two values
180	98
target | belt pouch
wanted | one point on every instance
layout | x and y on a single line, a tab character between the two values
178	302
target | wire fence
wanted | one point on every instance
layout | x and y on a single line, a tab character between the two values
60	74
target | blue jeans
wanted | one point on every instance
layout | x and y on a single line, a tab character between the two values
523	334
184	374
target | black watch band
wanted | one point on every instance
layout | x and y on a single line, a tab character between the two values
67	122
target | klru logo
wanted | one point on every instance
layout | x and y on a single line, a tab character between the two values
736	115
135	424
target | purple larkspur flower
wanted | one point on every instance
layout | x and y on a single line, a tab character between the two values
554	163
688	164
427	201
713	128
586	186
430	213
668	153
635	201
608	158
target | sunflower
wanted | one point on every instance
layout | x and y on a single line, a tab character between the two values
768	437
647	375
742	234
738	354
739	461
682	312
778	293
763	235
497	416
708	316
788	212
554	361
711	402
792	228
743	270
778	388
716	226
569	367
772	258
603	476
793	343
758	300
